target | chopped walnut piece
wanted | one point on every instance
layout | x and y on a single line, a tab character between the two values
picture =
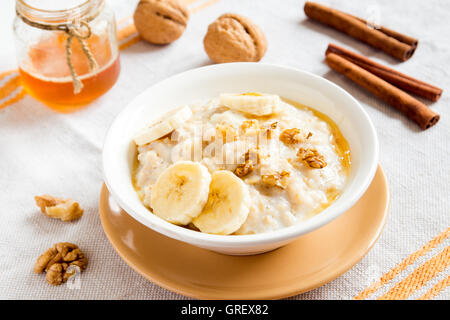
267	130
311	158
55	273
244	169
64	209
250	126
57	262
45	259
59	273
291	136
267	133
253	155
279	179
227	131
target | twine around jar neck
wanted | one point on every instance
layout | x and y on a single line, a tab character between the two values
75	30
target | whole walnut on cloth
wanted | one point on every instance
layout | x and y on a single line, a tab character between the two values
64	209
234	38
57	260
161	21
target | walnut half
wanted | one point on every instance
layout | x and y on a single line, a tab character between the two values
64	209
56	262
291	136
311	158
244	169
278	179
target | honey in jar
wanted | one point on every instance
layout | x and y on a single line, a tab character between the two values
50	63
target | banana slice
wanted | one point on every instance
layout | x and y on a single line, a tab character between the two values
227	207
170	121
153	133
252	103
177	117
181	192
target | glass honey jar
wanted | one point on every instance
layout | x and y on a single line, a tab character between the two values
67	50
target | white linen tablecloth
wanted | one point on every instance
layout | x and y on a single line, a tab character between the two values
42	151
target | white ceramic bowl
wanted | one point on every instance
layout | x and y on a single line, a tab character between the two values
208	82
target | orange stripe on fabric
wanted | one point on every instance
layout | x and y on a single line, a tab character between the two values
130	42
434	291
385	278
7	73
14	99
9	87
126	31
203	5
419	277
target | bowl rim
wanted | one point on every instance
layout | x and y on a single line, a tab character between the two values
233	241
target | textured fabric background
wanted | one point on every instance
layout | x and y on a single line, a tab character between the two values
45	152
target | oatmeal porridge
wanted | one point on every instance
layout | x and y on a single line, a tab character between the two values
240	164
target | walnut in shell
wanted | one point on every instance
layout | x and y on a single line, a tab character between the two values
57	260
64	209
234	38
161	21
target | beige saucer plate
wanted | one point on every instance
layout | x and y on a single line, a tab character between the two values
300	266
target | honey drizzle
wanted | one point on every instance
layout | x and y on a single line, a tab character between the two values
342	149
341	145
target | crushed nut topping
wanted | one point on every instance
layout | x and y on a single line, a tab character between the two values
57	262
244	169
250	126
279	179
267	132
228	132
64	209
311	158
253	155
291	136
309	135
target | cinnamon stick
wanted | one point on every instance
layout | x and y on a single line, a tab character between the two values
412	108
393	43
392	33
392	76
